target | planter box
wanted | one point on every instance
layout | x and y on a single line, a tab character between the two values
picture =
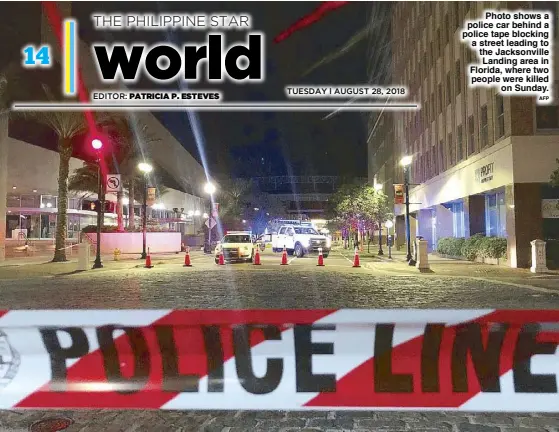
131	243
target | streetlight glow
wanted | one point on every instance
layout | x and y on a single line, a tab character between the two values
388	224
190	213
97	144
197	213
145	167
205	215
406	161
209	188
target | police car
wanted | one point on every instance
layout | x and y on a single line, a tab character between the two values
236	246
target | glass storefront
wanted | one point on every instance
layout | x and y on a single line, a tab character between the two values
457	210
34	217
495	215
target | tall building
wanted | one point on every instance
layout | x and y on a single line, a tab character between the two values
380	139
481	162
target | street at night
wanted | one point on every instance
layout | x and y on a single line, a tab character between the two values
301	284
384	180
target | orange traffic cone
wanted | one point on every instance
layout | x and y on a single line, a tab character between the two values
148	260
187	258
221	258
284	256
356	258
257	257
320	258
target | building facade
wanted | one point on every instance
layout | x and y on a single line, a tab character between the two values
29	168
32	202
380	140
481	162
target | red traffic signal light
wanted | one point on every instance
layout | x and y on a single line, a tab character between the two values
97	144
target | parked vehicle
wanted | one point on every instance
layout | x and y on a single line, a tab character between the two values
301	240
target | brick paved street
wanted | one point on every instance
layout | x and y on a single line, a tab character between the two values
126	284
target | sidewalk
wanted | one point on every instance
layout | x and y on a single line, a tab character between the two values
440	266
45	259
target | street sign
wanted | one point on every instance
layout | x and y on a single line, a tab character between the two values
151	197
211	223
398	194
113	183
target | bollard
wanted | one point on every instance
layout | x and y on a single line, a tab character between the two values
116	254
422	256
539	257
83	256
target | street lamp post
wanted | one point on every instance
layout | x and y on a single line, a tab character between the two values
378	188
97	145
209	188
406	162
145	168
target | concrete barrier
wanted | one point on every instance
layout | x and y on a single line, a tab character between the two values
130	243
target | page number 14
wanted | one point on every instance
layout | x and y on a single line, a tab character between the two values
36	57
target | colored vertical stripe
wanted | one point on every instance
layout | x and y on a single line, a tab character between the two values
70	57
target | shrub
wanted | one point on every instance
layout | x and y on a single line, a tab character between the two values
492	247
450	246
470	248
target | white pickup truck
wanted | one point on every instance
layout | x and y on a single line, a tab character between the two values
300	240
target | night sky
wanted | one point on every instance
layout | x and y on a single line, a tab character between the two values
254	144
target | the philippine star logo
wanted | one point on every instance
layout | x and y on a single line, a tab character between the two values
9	361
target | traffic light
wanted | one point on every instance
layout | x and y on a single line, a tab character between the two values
95	206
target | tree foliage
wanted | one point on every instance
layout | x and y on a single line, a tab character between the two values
360	207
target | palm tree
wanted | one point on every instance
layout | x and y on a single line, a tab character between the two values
67	126
234	193
129	138
86	179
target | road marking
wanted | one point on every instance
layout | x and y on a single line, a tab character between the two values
341	254
291	260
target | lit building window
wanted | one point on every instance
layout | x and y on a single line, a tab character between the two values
459	144
484	129
471	135
547	117
500	116
495	215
